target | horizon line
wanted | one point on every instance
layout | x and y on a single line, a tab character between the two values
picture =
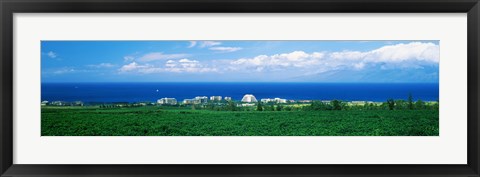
245	82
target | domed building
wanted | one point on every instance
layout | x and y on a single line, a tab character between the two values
249	98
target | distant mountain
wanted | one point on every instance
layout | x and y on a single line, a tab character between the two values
377	74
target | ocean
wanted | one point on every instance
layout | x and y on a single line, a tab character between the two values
138	92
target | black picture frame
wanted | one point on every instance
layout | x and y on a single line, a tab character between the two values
9	7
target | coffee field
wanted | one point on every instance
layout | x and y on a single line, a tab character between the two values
158	121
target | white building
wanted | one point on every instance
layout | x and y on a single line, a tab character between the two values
274	100
165	100
227	98
196	100
216	98
359	102
248	104
201	99
77	103
249	98
326	101
59	103
188	101
279	100
44	103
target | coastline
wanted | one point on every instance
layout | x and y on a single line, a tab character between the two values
150	92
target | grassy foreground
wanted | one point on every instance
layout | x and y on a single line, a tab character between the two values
153	121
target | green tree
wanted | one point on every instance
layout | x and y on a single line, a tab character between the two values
210	106
401	105
391	104
436	105
259	106
337	105
232	106
420	104
272	108
317	105
288	108
366	106
410	101
279	108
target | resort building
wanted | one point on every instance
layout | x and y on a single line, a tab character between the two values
170	101
249	98
59	103
274	100
196	100
248	104
64	103
120	104
77	103
227	98
216	98
279	100
44	103
326	101
201	99
265	100
189	101
360	102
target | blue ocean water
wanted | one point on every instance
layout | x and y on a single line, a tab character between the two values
136	92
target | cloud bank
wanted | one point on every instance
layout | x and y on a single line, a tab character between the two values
404	56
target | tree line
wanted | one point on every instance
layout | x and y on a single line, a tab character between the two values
389	104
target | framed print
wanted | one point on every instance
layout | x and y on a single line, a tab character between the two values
282	94
232	88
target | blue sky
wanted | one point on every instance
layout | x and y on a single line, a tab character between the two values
240	61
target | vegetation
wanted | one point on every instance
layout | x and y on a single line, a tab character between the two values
229	118
317	119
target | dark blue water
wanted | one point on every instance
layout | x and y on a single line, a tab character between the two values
135	92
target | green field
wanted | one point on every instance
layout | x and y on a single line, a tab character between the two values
157	121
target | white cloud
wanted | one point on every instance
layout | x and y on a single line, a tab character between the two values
186	63
429	52
192	44
349	55
417	51
410	55
294	59
225	49
102	65
133	67
171	63
64	71
160	56
204	44
179	66
128	58
359	66
190	70
52	54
